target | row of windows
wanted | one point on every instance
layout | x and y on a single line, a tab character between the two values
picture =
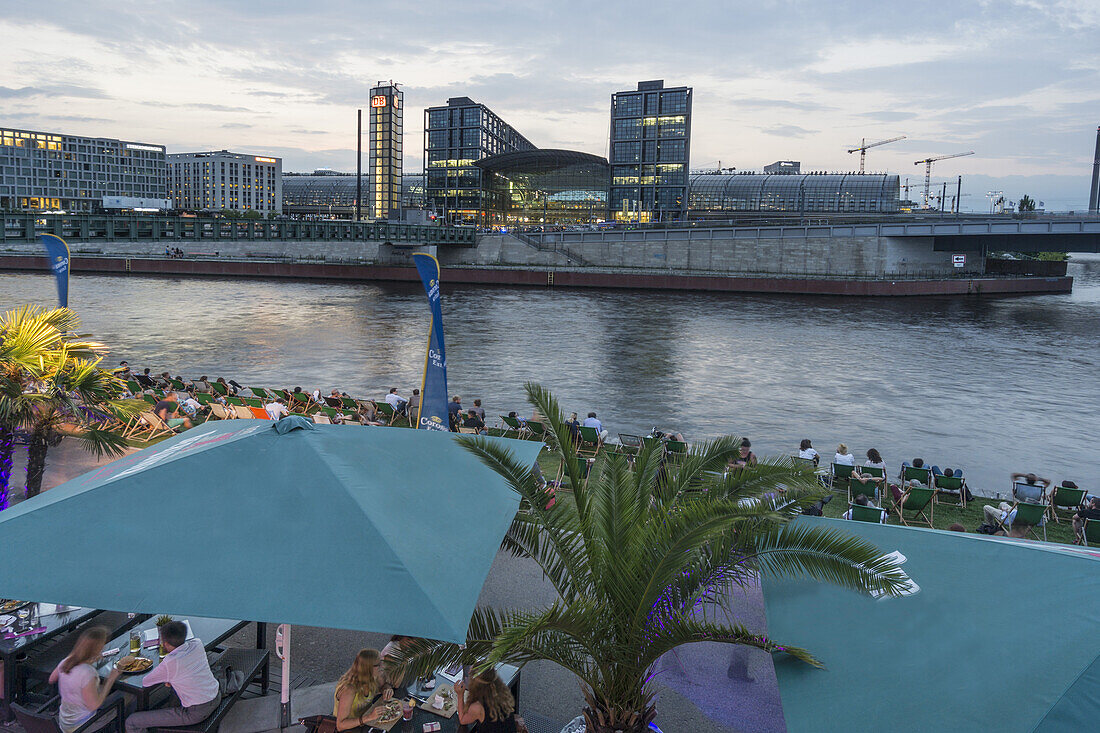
625	104
636	128
649	151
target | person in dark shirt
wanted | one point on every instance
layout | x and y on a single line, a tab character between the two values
454	411
473	421
145	380
168	411
1092	511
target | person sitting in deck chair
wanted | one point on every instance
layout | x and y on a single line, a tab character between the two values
594	422
203	385
168	411
190	406
276	410
862	500
1031	490
473	421
334	399
1092	511
396	401
187	672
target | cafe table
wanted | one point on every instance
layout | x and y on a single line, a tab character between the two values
211	631
421	715
45	621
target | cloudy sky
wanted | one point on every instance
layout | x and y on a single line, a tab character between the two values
1017	81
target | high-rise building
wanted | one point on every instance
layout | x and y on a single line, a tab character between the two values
649	152
455	137
224	180
387	107
50	170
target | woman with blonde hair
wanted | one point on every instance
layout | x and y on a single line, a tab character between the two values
357	690
490	704
78	682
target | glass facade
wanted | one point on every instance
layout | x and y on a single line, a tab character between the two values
649	152
455	138
331	195
51	171
547	187
716	194
387	109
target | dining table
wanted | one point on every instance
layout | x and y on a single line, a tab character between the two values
27	628
210	631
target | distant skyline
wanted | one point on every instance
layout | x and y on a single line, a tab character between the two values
1018	82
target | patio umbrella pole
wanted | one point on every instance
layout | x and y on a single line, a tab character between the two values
282	650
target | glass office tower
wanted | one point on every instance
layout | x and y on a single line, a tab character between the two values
455	137
386	111
649	152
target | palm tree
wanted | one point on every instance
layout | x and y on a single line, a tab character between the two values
643	559
51	385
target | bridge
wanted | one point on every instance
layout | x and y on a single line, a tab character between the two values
181	231
1038	233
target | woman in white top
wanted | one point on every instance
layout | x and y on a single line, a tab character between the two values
78	682
874	460
843	457
806	451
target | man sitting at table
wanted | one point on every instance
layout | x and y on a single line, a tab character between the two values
186	670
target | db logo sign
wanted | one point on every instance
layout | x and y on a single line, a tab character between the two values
378	101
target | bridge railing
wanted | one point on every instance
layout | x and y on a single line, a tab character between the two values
25	227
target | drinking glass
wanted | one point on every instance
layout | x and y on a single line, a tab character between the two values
135	642
406	709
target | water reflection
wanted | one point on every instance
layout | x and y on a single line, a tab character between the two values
993	385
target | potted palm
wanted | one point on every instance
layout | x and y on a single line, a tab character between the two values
641	558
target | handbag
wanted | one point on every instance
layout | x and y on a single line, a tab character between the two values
232	681
319	723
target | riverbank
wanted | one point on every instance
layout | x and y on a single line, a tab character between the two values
545	276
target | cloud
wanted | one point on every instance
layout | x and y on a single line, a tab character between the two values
236	126
788	131
53	90
300	131
760	103
205	106
54	118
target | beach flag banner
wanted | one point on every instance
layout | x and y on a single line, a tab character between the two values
58	252
433	390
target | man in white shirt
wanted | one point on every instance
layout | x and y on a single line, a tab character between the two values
396	401
276	410
186	670
593	422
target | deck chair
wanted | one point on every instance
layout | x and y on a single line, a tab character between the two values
951	485
204	398
840	476
133	386
157	426
321	419
1065	498
676	450
537	430
253	402
919	501
648	442
590	443
630	443
1092	532
1027	515
260	392
584	466
386	410
908	473
513	425
220	388
1025	492
177	384
349	403
861	513
281	394
872	489
243	412
259	413
150	399
221	412
234	400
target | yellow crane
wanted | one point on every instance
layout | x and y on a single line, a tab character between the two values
864	145
928	169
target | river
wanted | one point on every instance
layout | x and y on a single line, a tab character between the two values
993	385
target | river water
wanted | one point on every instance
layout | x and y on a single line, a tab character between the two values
993	385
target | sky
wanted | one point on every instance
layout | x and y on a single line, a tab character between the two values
1016	81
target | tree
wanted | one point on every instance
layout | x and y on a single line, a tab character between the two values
51	385
642	560
1026	204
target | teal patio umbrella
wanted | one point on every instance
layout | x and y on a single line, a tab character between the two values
1000	635
372	529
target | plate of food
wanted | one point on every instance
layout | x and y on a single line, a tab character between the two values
442	701
391	713
12	606
134	665
6	621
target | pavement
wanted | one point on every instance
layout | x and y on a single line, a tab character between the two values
701	688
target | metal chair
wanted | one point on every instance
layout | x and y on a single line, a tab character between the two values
40	721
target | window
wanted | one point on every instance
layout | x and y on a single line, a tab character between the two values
671	126
471	137
471	117
627	152
669	150
437	118
627	104
437	139
629	128
673	102
624	175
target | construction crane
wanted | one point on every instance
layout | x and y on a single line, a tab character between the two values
928	169
863	145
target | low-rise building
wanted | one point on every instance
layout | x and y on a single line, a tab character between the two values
223	180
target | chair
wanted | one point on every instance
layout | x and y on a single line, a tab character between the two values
40	721
220	388
1025	492
868	488
908	473
234	400
177	384
863	513
1092	532
954	485
584	469
204	398
514	425
259	413
918	499
253	402
386	410
147	427
1027	515
349	404
322	419
840	476
590	442
1066	498
133	386
676	450
221	412
150	399
630	443
260	392
537	430
243	412
281	394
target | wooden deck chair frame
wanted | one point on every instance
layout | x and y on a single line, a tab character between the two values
676	450
861	513
260	392
589	462
221	412
158	426
921	516
839	476
922	474
1068	495
386	410
855	488
631	444
220	388
589	444
1044	496
512	424
1036	512
1092	535
321	419
242	412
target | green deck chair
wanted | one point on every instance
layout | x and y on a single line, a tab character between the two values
1028	515
349	404
952	486
513	425
281	394
589	444
1065	498
385	409
220	388
133	386
538	430
177	384
150	399
861	513
872	489
648	442
1092	533
918	501
261	393
924	475
630	443
203	398
234	400
840	476
253	402
676	449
